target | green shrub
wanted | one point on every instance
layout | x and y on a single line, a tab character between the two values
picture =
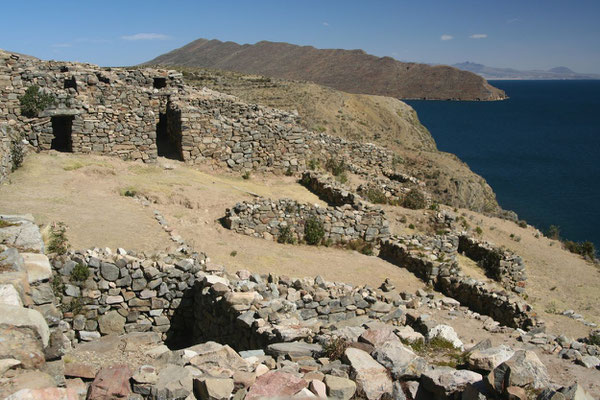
335	167
314	164
34	101
289	172
233	253
342	178
522	223
59	243
376	196
585	249
285	235
478	230
57	286
246	175
80	273
313	231
415	199
553	232
411	226
17	152
434	207
361	246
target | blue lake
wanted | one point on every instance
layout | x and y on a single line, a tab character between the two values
539	150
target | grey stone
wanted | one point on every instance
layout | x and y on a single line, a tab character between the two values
110	272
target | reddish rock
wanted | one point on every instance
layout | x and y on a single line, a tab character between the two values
111	383
378	336
275	384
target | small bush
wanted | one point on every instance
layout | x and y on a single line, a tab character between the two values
342	178
335	167
522	223
415	200
17	152
553	232
128	192
57	286
289	172
314	164
246	175
233	253
411	226
434	207
80	273
285	235
313	231
74	306
59	243
376	196
34	101
361	246
585	249
478	230
335	348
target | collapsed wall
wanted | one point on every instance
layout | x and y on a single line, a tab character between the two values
269	219
427	259
501	265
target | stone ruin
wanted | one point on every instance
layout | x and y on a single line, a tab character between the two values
141	113
273	332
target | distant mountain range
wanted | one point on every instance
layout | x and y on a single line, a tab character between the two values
510	73
352	71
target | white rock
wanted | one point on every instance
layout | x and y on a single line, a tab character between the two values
37	266
446	332
10	296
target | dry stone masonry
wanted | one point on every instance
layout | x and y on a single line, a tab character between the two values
266	218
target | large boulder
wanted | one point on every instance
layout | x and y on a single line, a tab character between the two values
339	388
23	233
371	378
174	382
25	318
276	384
446	382
489	359
524	369
211	354
576	392
112	323
111	383
213	388
10	296
400	360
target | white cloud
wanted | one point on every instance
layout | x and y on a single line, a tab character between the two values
478	36
512	20
61	45
325	23
446	37
145	36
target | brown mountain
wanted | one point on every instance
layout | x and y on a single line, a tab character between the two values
352	71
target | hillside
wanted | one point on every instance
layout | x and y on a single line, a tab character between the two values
352	71
366	118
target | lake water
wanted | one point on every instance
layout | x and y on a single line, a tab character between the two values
539	150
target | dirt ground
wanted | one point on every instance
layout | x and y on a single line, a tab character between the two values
87	193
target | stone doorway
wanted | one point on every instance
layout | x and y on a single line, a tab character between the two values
168	134
62	129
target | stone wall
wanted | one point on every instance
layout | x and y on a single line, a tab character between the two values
127	292
266	218
433	261
329	191
5	152
501	265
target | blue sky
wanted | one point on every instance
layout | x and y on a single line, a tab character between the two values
524	34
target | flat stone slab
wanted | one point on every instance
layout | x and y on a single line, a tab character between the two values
294	349
372	378
37	266
24	234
